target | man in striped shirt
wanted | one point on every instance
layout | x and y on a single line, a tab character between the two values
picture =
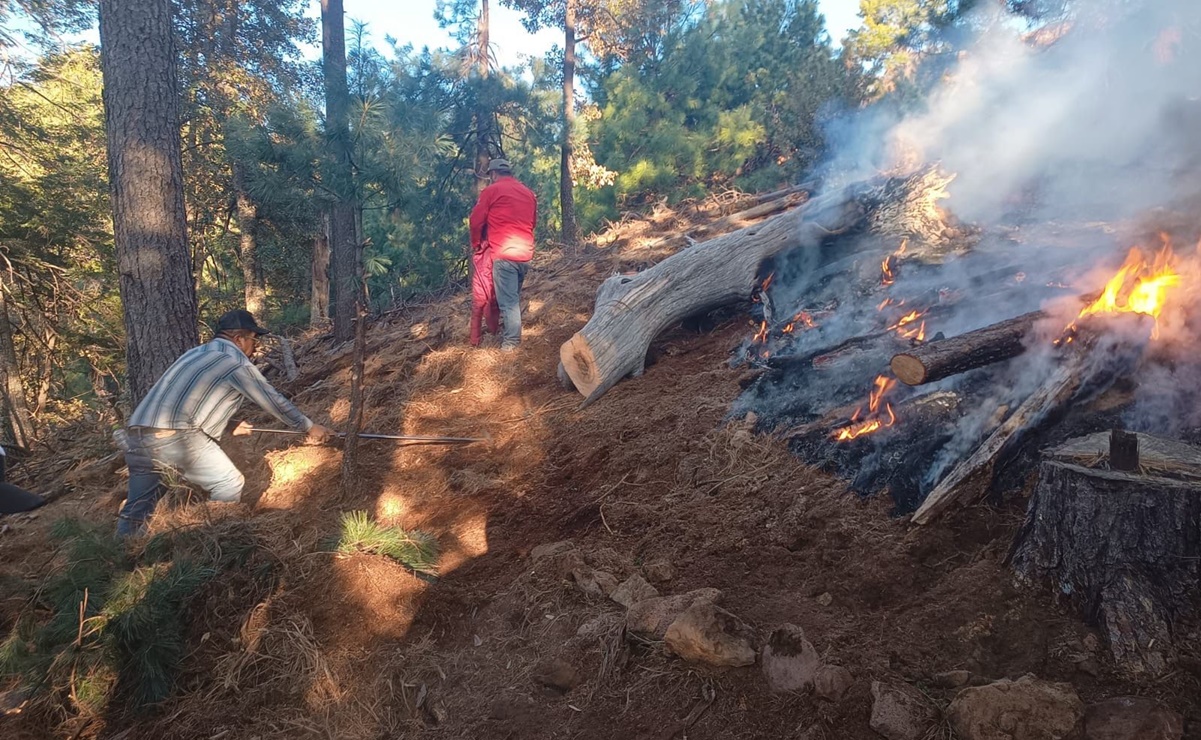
178	422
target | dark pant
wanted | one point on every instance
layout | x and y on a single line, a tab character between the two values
507	277
192	453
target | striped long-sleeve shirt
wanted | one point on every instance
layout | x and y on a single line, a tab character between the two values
205	386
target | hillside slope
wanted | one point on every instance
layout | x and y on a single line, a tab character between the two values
506	642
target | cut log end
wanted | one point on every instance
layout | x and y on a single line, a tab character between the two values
908	369
579	364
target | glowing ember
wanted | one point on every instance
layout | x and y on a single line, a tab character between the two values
1138	287
804	317
875	421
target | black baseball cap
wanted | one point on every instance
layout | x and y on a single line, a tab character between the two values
240	319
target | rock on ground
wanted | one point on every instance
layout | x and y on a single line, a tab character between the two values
594	583
789	660
1132	718
900	712
632	590
706	633
951	679
832	682
1026	709
652	617
659	571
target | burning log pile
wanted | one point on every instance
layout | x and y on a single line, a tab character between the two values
631	310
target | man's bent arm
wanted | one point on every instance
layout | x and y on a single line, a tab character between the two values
254	386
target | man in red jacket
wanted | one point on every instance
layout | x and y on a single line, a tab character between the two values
503	222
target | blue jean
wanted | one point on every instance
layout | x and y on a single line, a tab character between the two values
507	277
191	453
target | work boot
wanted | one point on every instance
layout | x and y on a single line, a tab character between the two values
508	347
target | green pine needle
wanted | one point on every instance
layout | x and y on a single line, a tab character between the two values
417	550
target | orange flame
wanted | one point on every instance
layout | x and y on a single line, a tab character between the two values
886	266
908	318
757	293
1138	287
882	384
761	335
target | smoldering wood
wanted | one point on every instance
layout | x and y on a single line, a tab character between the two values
887	459
974	474
631	310
1122	546
1105	349
940	359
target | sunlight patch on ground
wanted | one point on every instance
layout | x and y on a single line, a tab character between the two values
468	540
292	472
390	508
340	411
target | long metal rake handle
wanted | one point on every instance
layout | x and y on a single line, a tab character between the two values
400	437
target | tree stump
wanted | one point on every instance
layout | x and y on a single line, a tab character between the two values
1123	546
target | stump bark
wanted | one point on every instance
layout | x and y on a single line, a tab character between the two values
1123	546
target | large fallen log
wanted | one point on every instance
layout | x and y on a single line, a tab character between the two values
631	310
1120	545
943	358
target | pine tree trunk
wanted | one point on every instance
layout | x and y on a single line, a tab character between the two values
141	115
319	305
252	280
571	233
486	141
346	266
18	428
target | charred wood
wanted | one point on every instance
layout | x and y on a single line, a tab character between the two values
934	361
1094	361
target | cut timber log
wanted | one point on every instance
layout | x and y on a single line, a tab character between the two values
1123	546
631	310
940	359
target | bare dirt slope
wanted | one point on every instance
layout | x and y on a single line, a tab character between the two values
651	480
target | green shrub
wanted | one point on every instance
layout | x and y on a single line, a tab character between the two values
113	626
